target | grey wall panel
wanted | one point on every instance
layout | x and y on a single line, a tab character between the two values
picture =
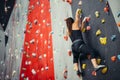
2	52
59	11
15	33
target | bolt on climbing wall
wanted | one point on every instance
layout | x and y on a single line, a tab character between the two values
37	55
103	36
15	32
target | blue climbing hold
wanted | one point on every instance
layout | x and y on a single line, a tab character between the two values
118	56
113	37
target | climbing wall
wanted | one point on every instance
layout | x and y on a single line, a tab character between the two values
115	8
15	32
62	60
2	52
36	41
103	37
37	61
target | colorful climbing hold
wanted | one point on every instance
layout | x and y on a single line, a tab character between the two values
106	9
97	14
69	52
84	66
113	37
94	73
118	24
118	56
103	21
98	61
88	28
69	1
66	37
113	58
83	30
104	70
33	71
65	73
98	32
13	72
80	3
79	11
103	40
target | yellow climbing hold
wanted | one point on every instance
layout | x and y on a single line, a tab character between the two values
98	32
84	66
98	61
102	21
97	14
79	11
103	40
83	30
104	70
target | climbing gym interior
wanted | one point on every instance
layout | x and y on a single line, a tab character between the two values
34	45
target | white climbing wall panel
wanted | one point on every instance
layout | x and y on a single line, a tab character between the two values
59	11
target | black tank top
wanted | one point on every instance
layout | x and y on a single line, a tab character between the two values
75	35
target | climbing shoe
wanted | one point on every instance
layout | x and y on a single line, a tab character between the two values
99	67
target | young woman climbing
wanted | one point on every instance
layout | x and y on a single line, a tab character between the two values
74	31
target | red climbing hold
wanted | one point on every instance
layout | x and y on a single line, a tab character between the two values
88	28
69	1
94	73
69	52
65	73
106	9
66	37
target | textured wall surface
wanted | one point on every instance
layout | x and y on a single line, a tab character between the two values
108	29
15	33
51	33
115	7
59	11
2	53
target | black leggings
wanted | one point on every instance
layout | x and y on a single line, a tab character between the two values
80	47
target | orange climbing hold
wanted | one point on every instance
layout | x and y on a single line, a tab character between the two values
118	24
113	58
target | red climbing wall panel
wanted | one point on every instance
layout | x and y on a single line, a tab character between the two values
37	60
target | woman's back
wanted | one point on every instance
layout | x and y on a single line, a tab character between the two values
75	35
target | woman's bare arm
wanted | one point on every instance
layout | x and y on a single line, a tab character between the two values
77	16
83	23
